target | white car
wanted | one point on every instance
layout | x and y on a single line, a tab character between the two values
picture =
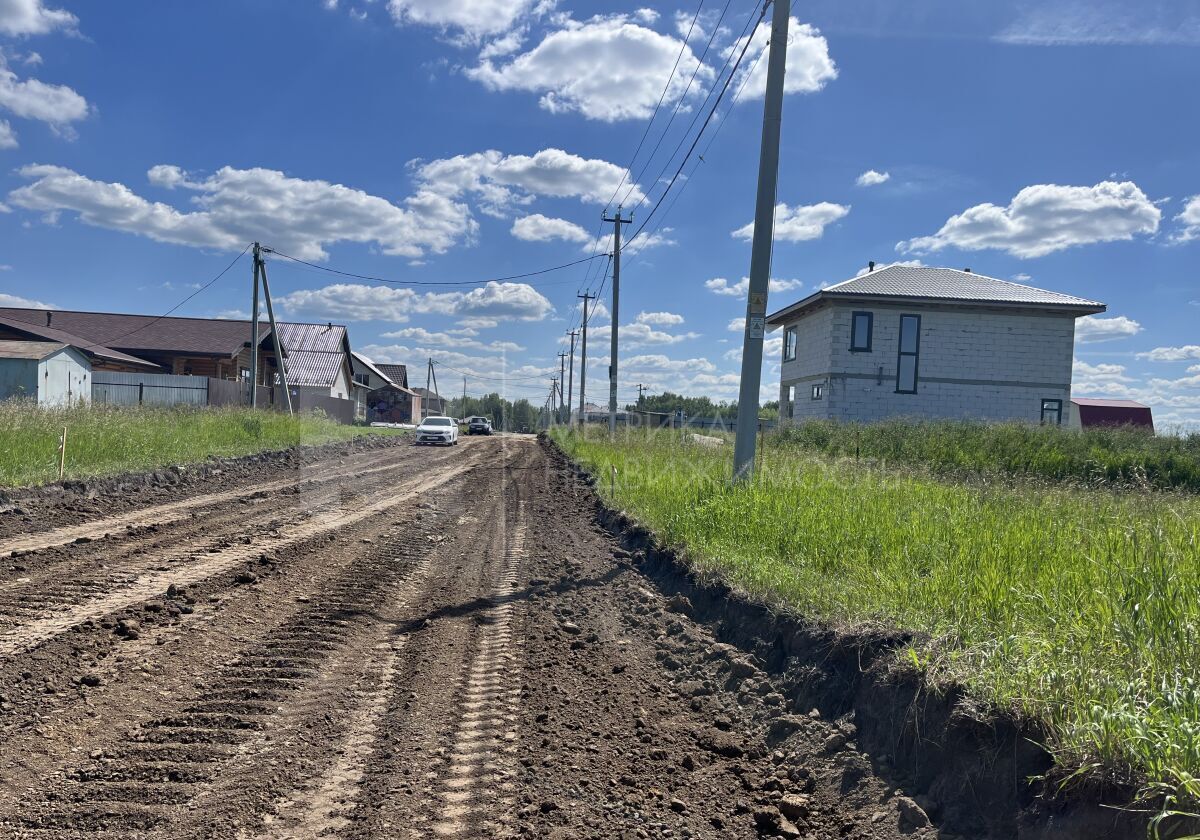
438	430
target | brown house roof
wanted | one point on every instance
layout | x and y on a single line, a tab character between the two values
85	344
146	333
396	373
31	350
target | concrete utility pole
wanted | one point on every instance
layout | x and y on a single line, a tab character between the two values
254	332
616	300
583	360
570	377
562	377
760	252
280	357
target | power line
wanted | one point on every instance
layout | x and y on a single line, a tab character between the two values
679	102
372	278
661	97
699	134
108	341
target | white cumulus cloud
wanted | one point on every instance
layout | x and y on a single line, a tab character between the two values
809	67
1046	218
1190	219
539	228
721	286
661	319
8	137
235	206
501	181
31	17
871	178
485	306
607	68
474	18
56	105
800	223
1172	354
1091	329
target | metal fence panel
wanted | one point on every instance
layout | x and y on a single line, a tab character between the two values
116	388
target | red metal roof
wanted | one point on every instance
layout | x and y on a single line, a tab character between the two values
1109	403
1113	413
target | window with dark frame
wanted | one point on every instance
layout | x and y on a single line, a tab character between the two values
860	331
1052	412
908	354
818	391
790	338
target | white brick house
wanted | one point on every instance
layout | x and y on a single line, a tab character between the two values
926	342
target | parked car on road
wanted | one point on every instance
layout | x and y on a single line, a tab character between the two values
438	430
479	426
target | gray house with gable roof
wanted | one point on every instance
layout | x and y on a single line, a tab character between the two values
925	342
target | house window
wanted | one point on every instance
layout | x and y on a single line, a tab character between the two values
818	391
860	332
362	378
1051	412
244	374
907	359
791	402
790	337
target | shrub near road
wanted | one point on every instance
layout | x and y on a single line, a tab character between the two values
103	440
1075	607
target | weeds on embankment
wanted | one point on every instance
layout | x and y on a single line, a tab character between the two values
1078	608
1120	456
104	440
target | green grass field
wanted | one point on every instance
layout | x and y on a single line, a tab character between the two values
1115	457
1077	607
104	440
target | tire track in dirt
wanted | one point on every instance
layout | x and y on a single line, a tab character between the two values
218	744
176	511
476	786
185	573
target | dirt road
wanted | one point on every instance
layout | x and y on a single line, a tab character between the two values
387	642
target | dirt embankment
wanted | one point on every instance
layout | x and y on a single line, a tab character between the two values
979	773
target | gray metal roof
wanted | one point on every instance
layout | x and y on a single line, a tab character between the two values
35	350
950	285
315	352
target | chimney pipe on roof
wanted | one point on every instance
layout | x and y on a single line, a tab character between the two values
967	270
871	266
49	315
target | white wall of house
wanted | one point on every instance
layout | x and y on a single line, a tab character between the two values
973	362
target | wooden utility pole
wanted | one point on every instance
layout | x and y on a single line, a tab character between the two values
760	250
617	221
641	391
280	357
583	360
562	377
254	331
571	377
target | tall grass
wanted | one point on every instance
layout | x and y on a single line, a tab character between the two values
1079	608
1122	456
104	440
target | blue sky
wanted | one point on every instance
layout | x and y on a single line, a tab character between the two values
141	148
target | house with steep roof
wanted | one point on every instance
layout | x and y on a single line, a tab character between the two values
924	342
378	397
317	355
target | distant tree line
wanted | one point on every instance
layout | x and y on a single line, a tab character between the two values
668	403
508	416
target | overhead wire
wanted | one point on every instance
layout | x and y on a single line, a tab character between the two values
108	341
666	87
393	282
716	103
679	102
